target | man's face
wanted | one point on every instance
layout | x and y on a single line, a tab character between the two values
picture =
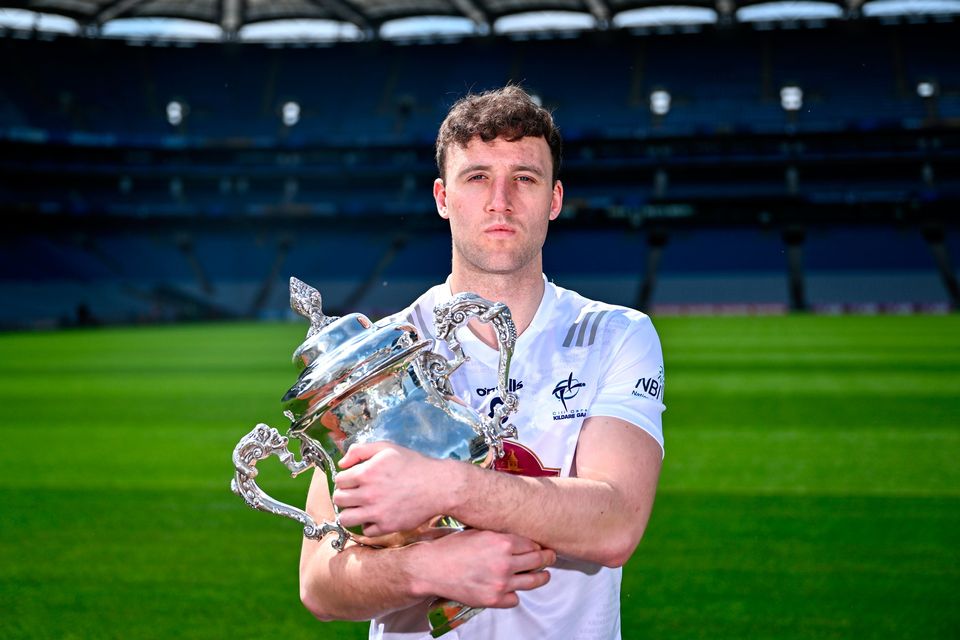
499	197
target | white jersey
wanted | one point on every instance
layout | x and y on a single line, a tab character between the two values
578	358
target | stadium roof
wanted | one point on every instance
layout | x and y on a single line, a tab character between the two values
368	16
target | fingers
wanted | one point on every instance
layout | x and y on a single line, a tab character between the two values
533	561
530	581
526	581
357	516
506	601
529	567
357	453
520	545
526	566
345	498
485	568
349	475
351	509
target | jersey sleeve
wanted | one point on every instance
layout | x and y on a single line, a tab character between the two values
631	388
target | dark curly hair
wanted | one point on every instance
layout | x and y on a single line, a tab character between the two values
509	113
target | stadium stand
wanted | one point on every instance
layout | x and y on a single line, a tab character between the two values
728	201
111	90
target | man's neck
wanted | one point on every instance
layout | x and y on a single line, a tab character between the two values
521	292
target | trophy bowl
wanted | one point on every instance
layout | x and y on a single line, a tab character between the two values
365	382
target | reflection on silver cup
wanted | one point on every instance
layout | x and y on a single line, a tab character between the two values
365	382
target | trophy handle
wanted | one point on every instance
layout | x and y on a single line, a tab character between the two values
452	315
261	443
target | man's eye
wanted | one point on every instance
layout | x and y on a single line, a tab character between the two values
476	177
525	178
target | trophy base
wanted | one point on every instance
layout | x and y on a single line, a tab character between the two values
445	615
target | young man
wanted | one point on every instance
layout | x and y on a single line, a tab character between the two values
581	478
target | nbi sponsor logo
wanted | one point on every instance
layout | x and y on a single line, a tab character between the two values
650	387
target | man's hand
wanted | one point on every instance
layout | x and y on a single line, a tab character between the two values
483	568
478	568
386	488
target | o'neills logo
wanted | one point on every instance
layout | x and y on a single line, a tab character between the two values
520	461
513	387
650	387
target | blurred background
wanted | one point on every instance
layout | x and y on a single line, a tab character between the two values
719	156
776	184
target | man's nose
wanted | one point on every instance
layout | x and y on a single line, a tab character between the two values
498	198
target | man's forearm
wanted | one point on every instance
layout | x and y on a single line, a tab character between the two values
576	517
358	583
598	516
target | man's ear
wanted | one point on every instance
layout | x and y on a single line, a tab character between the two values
440	196
556	201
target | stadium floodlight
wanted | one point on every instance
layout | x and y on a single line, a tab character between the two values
791	98
660	102
291	113
291	187
175	112
926	89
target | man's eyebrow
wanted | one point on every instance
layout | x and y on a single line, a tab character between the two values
529	169
473	167
514	168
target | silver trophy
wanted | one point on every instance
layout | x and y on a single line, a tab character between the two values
364	382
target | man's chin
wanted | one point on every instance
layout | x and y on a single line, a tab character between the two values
502	266
498	263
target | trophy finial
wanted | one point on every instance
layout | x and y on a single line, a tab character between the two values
306	301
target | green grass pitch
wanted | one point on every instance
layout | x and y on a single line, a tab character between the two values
811	487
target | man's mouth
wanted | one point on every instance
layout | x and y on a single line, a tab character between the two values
500	230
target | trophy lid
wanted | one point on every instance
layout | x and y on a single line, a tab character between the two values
341	355
326	333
